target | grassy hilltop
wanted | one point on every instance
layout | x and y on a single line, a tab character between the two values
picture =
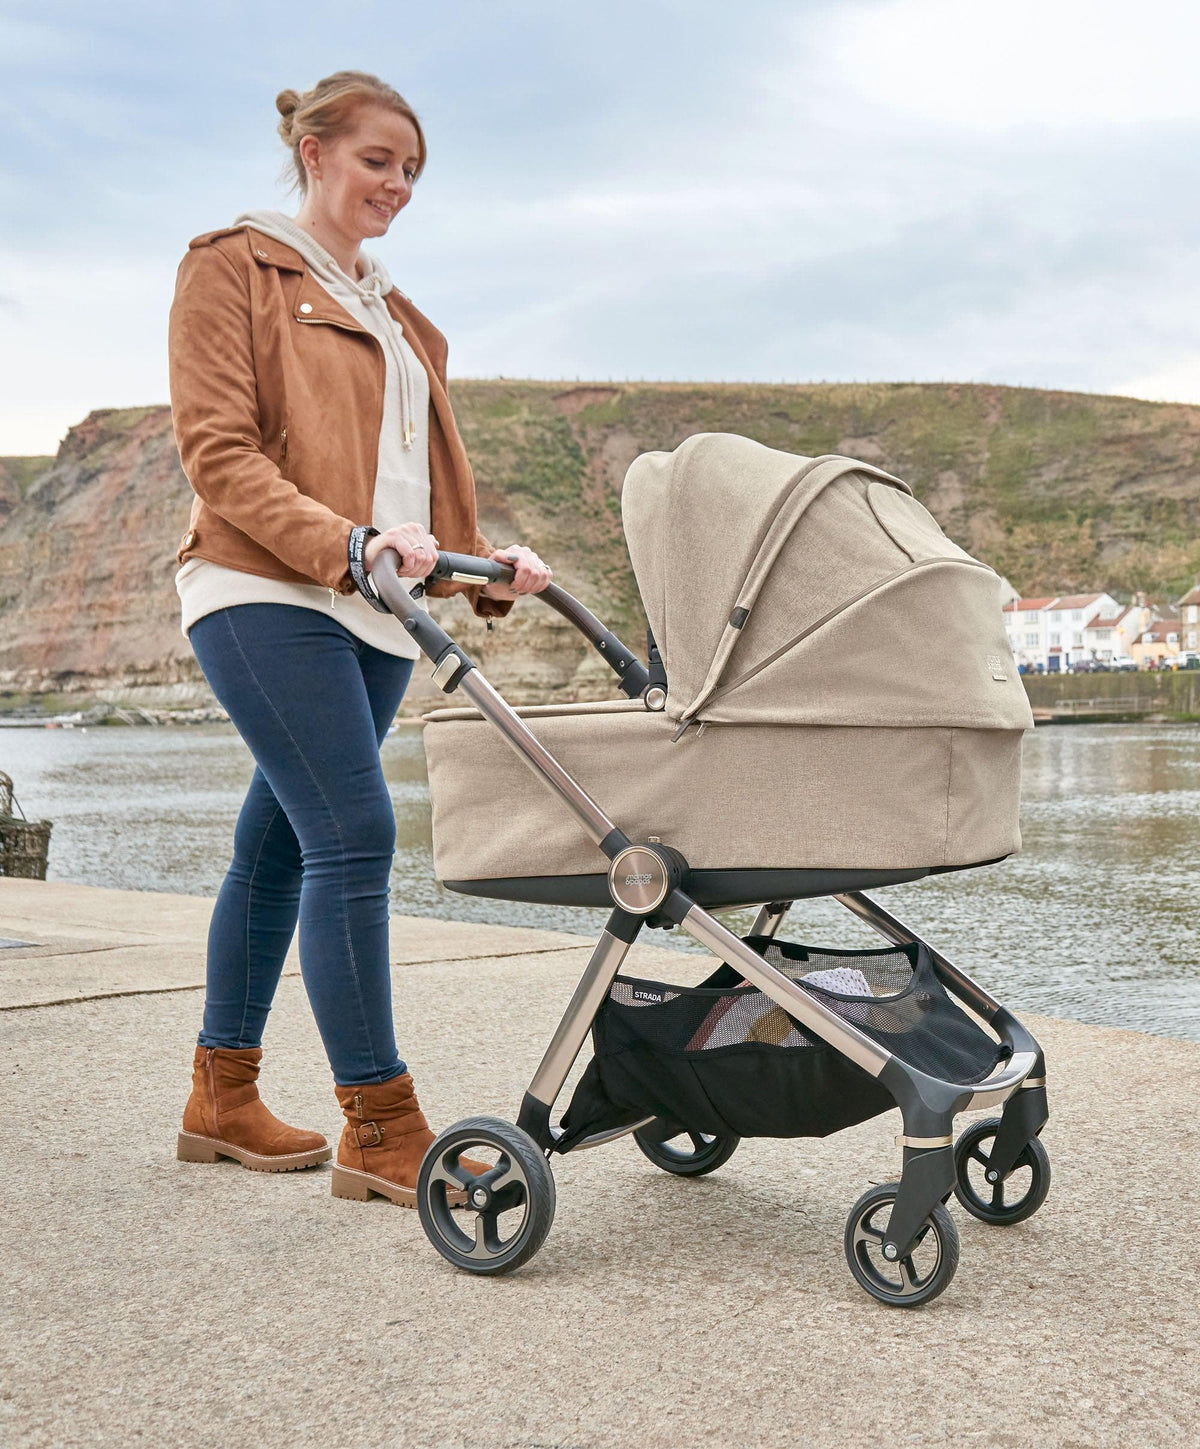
1057	491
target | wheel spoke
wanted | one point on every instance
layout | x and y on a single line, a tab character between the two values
487	1237
908	1275
456	1177
700	1143
866	1232
998	1194
504	1174
976	1154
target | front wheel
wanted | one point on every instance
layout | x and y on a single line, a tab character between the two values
1000	1202
512	1199
918	1277
684	1153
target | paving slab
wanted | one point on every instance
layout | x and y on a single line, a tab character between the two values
83	942
148	1301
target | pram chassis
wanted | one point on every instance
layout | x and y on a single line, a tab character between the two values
655	890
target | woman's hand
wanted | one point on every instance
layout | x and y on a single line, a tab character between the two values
416	546
531	577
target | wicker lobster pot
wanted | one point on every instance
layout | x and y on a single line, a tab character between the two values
24	844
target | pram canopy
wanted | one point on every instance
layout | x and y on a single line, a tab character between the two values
841	695
790	590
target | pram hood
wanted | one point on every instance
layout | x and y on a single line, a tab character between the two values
792	590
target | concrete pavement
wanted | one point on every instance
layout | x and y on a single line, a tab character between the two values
148	1301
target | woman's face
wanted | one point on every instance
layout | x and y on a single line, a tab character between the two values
360	181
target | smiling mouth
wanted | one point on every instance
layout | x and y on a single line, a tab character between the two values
381	210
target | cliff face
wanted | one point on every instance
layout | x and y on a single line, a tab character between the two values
1057	491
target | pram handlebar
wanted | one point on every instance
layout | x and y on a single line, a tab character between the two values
465	568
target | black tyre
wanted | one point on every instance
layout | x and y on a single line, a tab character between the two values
686	1153
912	1280
509	1206
1021	1193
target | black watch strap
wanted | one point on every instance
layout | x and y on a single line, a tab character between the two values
356	548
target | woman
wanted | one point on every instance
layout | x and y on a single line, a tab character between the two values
310	408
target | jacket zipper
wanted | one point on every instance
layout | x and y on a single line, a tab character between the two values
212	1087
283	448
342	327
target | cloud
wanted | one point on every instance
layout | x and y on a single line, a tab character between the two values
892	188
1065	64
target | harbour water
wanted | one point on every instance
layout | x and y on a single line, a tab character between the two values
1096	919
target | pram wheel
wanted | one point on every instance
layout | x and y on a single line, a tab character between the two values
513	1201
913	1280
685	1153
1014	1199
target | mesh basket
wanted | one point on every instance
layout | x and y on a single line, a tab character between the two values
724	1058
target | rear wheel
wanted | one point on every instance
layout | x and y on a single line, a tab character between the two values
685	1153
1001	1203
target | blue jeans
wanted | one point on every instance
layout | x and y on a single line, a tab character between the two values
315	837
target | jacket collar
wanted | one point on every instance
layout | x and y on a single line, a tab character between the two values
271	253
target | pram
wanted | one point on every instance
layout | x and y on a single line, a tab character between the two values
829	705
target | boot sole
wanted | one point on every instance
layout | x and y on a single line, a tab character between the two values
190	1147
358	1186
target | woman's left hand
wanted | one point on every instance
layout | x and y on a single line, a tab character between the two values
532	575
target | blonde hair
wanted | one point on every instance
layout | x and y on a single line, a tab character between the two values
327	112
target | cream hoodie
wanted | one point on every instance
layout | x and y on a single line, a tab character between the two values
402	475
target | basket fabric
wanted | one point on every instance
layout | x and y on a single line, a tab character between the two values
729	797
837	666
723	1058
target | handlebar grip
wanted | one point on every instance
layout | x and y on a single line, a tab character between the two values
464	568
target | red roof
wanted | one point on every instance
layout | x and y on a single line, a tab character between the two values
1109	623
1026	606
1076	601
1159	630
1192	596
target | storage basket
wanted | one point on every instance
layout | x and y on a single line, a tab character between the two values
723	1058
24	844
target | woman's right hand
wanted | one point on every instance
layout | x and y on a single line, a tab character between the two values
414	543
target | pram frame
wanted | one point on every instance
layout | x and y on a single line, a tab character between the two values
927	1104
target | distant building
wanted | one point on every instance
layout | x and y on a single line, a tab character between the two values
1189	618
1160	640
1109	636
1050	633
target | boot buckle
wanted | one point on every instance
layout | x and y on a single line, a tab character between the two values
370	1134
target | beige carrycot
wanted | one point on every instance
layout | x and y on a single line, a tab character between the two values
841	695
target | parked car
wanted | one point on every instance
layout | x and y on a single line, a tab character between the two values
1084	666
1189	659
1123	664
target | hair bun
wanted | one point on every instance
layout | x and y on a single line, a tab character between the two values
286	103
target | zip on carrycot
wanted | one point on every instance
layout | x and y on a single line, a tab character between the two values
836	708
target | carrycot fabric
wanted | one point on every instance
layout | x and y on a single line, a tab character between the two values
789	590
730	797
841	694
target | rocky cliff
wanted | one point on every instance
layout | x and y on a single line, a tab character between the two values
1058	491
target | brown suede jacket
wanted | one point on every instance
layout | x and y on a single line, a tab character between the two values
277	401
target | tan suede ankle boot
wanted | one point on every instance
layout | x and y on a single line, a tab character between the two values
225	1117
382	1144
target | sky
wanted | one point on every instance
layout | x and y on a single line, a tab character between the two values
767	190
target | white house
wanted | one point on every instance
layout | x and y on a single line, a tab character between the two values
1111	634
1049	633
1066	619
1025	625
